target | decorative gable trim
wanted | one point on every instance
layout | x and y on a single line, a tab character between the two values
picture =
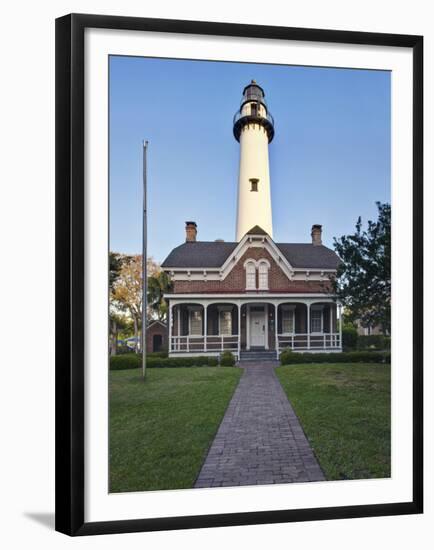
250	240
260	241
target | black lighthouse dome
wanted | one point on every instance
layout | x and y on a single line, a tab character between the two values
253	92
253	110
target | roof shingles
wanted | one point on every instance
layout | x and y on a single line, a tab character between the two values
213	254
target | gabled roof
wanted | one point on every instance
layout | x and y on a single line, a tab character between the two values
199	254
213	254
309	255
256	231
157	321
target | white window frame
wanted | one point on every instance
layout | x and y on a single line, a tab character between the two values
225	309
250	267
263	268
291	310
313	310
191	310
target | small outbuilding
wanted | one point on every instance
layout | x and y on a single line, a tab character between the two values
156	337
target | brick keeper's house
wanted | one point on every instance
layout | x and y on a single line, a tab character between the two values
254	296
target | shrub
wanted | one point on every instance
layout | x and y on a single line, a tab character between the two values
125	361
289	357
182	362
132	361
227	359
123	349
160	354
375	342
349	338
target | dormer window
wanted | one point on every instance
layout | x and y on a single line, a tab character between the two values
254	184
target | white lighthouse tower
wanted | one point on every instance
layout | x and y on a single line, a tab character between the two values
254	129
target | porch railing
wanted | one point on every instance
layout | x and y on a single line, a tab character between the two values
210	343
309	342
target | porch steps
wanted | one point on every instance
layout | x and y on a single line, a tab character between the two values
258	356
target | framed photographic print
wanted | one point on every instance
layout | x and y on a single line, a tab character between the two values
238	274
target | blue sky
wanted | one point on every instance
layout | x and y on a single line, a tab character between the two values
329	160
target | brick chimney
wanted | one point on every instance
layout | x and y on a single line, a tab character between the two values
316	235
190	232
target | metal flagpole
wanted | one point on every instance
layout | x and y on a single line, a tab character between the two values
144	259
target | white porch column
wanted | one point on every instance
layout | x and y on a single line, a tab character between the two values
266	326
239	331
276	310
205	324
248	326
331	324
308	324
178	313
340	326
170	326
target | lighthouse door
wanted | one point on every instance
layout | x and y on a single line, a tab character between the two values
257	329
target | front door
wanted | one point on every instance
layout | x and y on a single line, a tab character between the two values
257	329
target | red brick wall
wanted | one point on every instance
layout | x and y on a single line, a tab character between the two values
235	282
156	328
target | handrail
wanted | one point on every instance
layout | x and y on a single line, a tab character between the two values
200	343
308	341
239	115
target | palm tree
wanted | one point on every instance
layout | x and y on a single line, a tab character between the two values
158	285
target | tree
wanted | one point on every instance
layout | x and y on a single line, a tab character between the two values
363	281
118	324
115	263
117	319
126	292
158	285
125	279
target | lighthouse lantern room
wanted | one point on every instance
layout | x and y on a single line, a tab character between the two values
254	129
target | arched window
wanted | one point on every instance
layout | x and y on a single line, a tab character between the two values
263	275
250	275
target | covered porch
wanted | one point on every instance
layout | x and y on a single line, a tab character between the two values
210	326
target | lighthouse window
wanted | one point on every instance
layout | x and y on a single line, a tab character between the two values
254	184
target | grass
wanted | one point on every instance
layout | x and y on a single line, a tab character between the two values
345	412
161	429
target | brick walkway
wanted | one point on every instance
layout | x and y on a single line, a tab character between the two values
260	439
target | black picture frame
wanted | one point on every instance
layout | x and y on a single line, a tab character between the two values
70	263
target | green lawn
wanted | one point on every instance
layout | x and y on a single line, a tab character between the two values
345	412
161	429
